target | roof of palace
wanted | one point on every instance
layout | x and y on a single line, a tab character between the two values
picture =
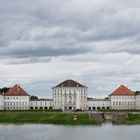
16	91
122	91
70	83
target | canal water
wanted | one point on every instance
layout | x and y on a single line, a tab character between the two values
60	132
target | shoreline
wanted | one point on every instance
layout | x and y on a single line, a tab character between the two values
64	118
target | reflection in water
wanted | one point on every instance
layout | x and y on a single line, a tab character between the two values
60	132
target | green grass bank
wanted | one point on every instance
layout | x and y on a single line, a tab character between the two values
133	118
65	118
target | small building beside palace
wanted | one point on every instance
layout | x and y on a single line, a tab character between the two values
123	99
1	102
137	99
16	99
41	104
98	104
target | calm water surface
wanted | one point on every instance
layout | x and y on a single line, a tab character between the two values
60	132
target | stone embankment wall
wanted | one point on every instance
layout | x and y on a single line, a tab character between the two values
119	117
99	117
116	118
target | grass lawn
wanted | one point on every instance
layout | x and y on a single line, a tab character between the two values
133	118
46	118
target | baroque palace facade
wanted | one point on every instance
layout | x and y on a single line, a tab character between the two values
70	95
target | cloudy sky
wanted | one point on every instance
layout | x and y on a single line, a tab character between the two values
95	42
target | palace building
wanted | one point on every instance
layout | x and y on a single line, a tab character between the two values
97	104
123	99
43	104
70	95
16	99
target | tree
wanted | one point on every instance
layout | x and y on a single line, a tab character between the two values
4	89
33	97
89	98
137	92
106	97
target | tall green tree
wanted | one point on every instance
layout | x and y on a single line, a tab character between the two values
4	89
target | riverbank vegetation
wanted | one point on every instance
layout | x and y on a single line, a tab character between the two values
68	118
58	117
133	118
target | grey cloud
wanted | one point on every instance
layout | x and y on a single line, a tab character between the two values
99	38
74	24
28	60
136	80
132	49
42	51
